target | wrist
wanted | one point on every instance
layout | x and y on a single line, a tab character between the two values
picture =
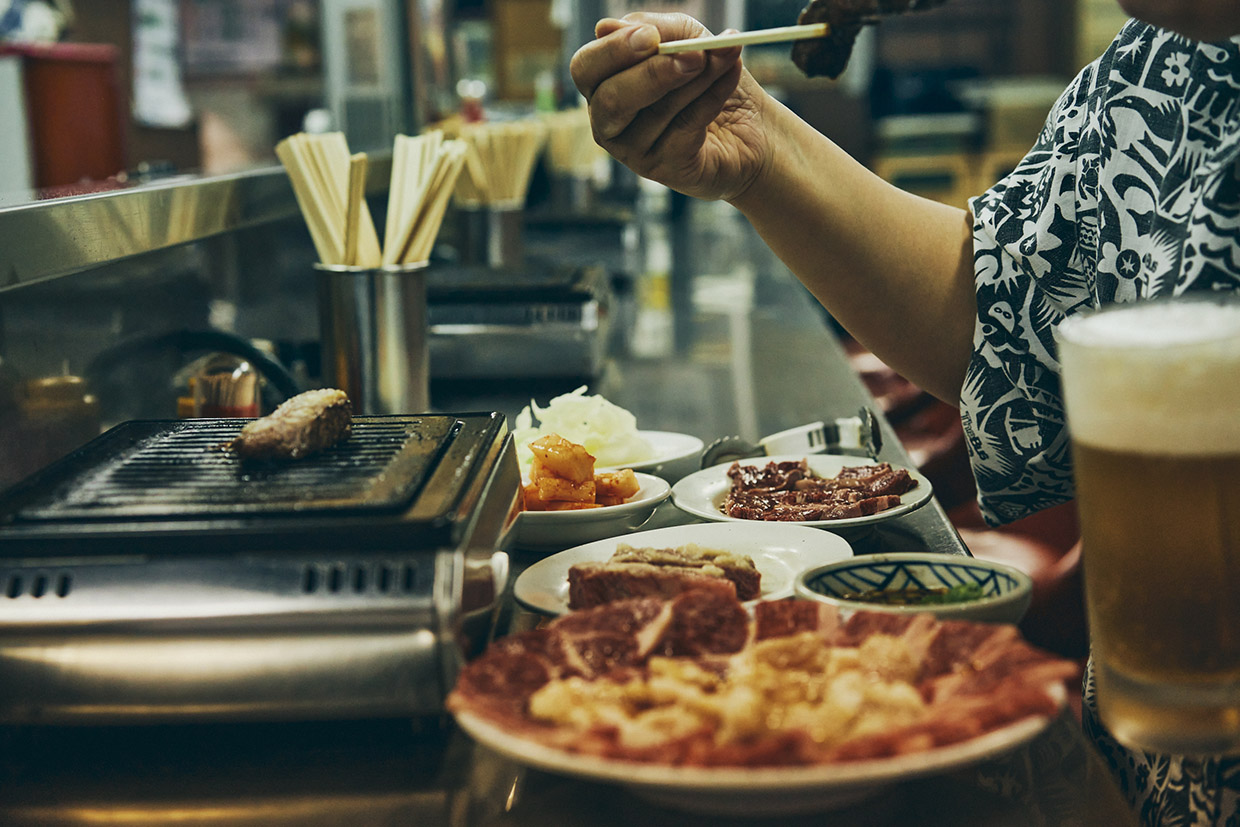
775	148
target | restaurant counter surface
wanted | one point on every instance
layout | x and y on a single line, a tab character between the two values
732	346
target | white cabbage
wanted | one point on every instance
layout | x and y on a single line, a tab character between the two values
606	430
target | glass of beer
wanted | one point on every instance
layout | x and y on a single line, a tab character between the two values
1152	395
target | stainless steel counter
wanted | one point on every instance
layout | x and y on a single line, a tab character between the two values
48	239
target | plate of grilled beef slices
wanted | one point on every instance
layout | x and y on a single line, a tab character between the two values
751	562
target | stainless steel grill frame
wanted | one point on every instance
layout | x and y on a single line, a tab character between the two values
340	594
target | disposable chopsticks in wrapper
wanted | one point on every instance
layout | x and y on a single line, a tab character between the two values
330	183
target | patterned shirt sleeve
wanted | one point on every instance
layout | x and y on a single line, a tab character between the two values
1029	267
1132	191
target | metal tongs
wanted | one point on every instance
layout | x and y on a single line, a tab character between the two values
858	435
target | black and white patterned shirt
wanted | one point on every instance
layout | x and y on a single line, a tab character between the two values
1132	191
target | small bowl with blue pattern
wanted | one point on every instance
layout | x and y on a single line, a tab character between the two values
945	585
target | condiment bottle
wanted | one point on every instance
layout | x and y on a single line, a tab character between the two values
226	386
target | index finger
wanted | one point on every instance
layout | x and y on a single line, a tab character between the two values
622	44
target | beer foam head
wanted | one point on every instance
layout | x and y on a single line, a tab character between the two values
1160	377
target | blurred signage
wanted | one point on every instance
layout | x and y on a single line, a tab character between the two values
227	36
158	96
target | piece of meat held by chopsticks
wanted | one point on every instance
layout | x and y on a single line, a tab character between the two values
306	424
844	18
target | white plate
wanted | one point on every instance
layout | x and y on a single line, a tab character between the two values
561	529
701	494
758	791
781	551
672	455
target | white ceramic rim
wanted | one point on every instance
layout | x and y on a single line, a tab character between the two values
761	780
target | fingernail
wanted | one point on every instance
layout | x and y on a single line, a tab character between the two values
689	62
644	39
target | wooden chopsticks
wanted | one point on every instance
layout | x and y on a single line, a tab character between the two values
571	149
312	199
354	201
499	162
329	184
779	34
425	170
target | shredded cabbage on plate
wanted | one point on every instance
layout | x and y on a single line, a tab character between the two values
607	431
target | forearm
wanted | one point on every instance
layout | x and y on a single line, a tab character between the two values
894	269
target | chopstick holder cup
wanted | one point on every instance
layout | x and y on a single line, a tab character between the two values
492	234
373	333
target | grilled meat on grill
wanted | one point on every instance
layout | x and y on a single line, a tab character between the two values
829	55
306	424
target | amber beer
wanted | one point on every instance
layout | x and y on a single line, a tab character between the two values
1152	394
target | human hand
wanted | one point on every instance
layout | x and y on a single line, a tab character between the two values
691	121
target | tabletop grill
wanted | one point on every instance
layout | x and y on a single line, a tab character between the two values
152	575
184	468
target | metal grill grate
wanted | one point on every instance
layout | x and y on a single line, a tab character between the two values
183	469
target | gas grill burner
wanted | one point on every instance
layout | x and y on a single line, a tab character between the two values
351	583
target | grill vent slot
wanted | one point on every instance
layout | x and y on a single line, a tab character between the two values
37	584
360	578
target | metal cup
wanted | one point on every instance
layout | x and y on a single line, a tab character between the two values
492	235
373	330
571	193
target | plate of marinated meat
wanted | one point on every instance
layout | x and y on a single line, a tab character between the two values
819	490
750	561
700	703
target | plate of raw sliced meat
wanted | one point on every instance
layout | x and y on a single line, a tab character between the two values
751	561
820	490
697	703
